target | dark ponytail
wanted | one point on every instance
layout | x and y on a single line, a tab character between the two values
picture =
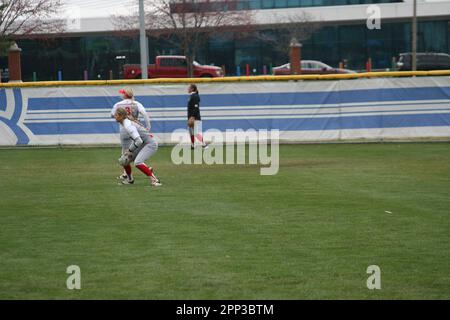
194	88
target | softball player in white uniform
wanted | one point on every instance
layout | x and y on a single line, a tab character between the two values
134	110
142	147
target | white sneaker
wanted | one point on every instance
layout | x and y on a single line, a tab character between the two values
155	182
124	180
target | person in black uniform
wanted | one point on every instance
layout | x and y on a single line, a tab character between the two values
194	118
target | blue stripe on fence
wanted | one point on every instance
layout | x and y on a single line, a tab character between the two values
251	99
295	124
250	116
250	108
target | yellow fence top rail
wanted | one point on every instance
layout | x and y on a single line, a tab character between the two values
226	79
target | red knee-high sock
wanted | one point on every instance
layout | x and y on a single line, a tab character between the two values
200	137
128	170
192	139
146	170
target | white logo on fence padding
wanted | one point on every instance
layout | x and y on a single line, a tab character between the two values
230	148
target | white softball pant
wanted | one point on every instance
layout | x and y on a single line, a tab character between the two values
145	151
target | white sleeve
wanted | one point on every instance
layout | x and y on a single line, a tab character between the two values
133	133
130	129
144	114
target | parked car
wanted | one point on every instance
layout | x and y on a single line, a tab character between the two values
425	61
310	67
171	67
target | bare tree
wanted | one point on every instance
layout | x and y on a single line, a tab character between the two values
25	17
186	24
296	28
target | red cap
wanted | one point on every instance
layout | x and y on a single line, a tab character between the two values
122	91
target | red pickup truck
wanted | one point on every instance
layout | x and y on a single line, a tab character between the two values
171	67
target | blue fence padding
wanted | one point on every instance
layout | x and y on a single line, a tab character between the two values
32	115
250	99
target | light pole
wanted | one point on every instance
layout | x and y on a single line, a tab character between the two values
414	38
142	41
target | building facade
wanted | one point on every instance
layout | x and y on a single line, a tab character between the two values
95	49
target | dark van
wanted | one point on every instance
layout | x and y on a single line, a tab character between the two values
425	61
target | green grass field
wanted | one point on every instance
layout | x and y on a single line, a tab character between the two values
226	232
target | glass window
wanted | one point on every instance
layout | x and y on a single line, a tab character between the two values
249	51
315	66
254	4
379	47
171	62
165	62
293	3
321	65
179	63
352	46
325	46
243	5
271	4
280	4
432	36
220	52
268	4
400	37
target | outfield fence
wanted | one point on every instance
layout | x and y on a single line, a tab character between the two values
366	106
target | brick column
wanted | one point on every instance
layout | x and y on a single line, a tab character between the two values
15	71
295	56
